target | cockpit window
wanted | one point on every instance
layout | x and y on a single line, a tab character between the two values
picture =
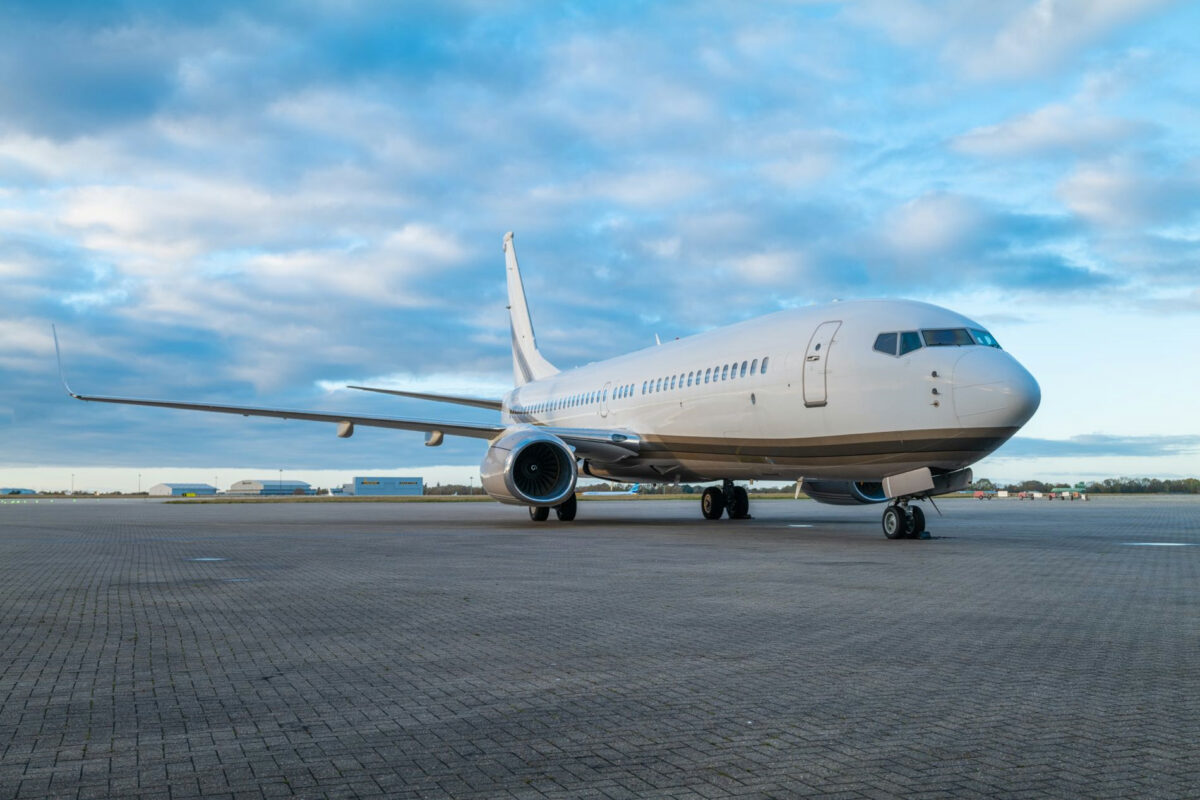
909	341
947	337
886	343
984	338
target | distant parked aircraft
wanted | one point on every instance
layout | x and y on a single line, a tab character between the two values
874	401
637	487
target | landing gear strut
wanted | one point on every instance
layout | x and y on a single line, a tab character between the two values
727	497
565	511
902	521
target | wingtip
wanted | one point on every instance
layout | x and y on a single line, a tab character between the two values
62	375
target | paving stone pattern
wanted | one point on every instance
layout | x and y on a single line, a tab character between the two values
458	650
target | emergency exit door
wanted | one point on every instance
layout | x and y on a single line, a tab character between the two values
816	362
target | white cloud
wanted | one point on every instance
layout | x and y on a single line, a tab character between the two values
932	224
990	39
471	384
1124	195
1058	129
770	267
1042	33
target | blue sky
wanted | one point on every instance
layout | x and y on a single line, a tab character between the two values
257	203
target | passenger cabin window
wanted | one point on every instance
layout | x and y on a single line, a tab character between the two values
725	372
763	369
754	367
742	373
707	373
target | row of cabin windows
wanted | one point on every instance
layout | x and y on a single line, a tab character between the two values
723	372
902	342
572	401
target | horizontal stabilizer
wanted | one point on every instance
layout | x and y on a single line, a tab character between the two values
478	402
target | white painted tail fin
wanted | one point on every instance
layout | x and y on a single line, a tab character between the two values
528	364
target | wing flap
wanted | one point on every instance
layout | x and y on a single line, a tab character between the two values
477	402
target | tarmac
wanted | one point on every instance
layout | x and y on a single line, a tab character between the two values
1029	649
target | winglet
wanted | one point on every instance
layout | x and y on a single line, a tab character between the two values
58	355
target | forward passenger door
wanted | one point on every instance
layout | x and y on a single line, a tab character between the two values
816	361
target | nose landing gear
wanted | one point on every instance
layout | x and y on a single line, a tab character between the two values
902	521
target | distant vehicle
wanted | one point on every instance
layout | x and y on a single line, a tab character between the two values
981	494
637	487
871	401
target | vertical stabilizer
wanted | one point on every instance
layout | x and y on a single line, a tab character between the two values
528	364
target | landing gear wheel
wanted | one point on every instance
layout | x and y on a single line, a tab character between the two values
918	521
539	513
566	509
894	522
739	508
712	503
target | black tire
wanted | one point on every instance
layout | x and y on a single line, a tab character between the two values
565	511
712	503
894	522
539	513
918	517
740	507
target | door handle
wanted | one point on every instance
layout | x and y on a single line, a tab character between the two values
814	358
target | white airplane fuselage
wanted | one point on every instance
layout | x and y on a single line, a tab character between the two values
829	405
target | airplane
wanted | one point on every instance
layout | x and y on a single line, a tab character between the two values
861	402
637	487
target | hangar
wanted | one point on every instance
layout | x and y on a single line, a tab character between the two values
271	487
384	486
181	490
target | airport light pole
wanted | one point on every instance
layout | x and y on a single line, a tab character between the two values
72	483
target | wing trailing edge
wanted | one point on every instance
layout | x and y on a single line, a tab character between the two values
477	402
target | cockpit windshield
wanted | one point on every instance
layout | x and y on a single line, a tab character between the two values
946	337
902	342
984	338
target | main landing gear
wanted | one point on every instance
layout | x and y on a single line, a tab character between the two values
565	511
902	521
717	500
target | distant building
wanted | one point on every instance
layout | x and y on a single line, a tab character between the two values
5	491
181	490
384	487
270	487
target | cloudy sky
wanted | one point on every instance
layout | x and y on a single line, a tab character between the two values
259	202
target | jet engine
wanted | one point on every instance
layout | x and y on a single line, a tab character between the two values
844	493
529	467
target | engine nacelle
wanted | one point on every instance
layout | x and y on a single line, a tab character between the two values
844	493
529	467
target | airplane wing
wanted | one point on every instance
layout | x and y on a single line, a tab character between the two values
587	443
469	429
478	402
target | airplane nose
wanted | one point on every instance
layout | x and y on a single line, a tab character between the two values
992	389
